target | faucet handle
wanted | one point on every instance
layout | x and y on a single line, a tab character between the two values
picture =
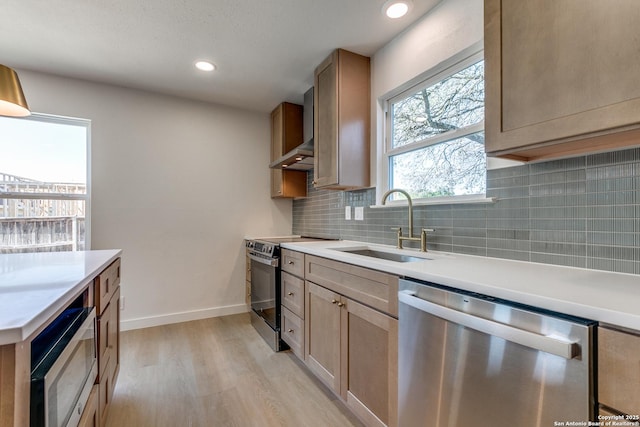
399	240
398	229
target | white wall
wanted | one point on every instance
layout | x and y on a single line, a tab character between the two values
449	28
176	184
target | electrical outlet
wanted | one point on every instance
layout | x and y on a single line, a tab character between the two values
359	213
121	303
347	213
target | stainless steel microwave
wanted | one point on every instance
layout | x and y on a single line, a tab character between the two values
63	368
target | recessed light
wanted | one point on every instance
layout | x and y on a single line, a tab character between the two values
395	9
205	66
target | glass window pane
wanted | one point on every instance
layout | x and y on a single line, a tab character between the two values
43	151
43	184
450	104
451	168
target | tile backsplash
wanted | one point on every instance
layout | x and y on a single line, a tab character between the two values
580	212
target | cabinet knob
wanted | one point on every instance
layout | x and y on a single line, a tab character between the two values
334	301
340	304
290	331
291	263
290	294
314	182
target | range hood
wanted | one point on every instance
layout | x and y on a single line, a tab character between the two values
301	157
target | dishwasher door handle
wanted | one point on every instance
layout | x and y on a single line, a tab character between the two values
547	344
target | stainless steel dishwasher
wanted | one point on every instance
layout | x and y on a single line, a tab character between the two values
466	359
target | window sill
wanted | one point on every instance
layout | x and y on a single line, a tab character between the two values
458	200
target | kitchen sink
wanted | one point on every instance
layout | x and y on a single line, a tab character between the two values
390	256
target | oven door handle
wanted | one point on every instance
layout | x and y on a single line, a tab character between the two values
554	345
272	262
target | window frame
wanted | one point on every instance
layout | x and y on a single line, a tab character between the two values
71	121
430	77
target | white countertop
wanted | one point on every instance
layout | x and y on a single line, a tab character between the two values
34	286
612	298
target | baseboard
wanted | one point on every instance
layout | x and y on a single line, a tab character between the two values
185	316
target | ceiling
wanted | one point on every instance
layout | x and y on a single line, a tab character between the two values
265	50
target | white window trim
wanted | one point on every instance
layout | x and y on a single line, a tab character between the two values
72	121
457	62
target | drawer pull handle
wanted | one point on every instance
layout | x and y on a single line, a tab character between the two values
290	294
290	331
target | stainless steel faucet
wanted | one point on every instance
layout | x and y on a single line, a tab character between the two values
423	231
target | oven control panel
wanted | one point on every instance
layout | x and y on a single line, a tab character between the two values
263	248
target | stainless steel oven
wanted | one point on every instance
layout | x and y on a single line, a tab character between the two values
63	368
265	291
265	286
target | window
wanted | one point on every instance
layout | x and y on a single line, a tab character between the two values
44	188
435	134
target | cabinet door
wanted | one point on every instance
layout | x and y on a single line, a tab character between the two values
326	123
104	348
114	339
559	72
369	381
322	334
619	370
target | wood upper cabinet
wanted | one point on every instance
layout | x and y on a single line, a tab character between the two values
342	121
561	77
286	134
618	371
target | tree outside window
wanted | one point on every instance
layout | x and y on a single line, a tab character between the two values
435	141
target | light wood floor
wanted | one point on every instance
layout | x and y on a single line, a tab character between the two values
216	372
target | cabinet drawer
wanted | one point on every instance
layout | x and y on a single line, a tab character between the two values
619	370
293	332
105	284
293	294
373	288
293	262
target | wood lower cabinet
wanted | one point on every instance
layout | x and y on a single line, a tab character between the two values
369	381
560	77
618	371
293	294
350	346
322	334
107	293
